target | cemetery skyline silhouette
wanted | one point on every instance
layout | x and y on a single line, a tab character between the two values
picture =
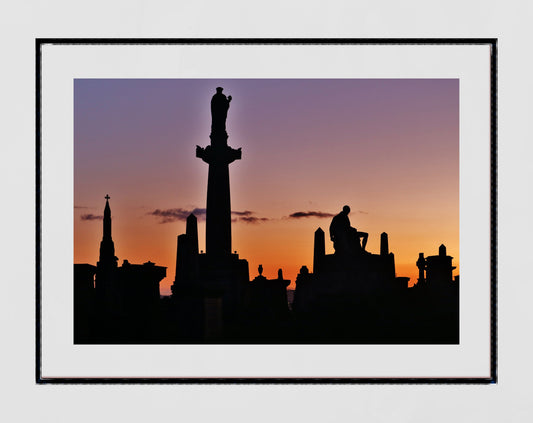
351	296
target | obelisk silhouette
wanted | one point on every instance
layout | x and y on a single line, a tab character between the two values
218	156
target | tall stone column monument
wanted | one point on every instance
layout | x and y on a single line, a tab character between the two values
209	288
218	155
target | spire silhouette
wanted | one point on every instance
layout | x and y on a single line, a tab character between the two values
107	247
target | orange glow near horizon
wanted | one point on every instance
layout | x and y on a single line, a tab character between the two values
276	244
387	148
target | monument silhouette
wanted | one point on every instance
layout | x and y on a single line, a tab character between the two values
106	268
352	296
116	304
210	288
218	155
346	240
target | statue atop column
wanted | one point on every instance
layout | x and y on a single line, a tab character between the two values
218	155
219	111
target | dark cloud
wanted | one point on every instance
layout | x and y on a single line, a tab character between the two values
243	213
179	214
81	207
299	215
90	216
251	219
319	214
247	216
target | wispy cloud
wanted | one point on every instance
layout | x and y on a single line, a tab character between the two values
178	214
251	219
319	214
91	216
81	207
181	214
247	216
242	213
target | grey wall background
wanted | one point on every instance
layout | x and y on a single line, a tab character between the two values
21	23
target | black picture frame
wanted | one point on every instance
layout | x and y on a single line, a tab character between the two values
492	42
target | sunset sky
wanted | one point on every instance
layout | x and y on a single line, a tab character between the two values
387	148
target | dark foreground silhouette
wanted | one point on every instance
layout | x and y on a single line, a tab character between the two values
352	296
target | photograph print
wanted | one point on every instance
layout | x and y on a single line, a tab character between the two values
266	211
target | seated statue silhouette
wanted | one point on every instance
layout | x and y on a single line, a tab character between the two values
219	111
346	240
